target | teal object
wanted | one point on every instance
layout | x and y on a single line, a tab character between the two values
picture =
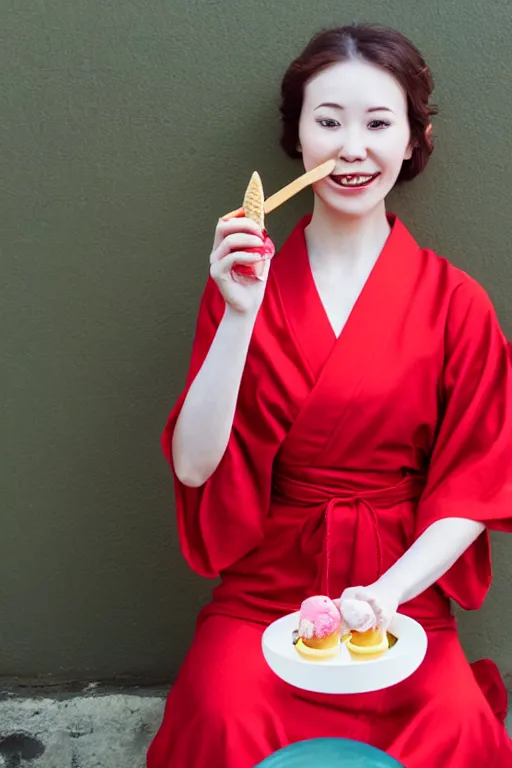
329	753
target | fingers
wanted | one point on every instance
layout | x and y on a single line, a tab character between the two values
227	227
236	242
242	257
248	273
222	267
382	610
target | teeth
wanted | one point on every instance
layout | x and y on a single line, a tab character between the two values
354	181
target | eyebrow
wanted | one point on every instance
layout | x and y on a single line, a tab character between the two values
338	106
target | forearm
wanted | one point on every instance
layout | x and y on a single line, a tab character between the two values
204	425
429	558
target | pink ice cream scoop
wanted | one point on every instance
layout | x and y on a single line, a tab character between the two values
319	618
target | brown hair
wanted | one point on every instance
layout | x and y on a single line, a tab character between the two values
381	46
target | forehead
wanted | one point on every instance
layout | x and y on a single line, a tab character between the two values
355	83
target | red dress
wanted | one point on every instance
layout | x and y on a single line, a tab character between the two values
343	451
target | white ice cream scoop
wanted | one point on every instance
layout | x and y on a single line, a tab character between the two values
357	614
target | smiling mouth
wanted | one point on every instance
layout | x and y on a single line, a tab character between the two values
353	180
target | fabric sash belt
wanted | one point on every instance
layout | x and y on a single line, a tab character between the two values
342	528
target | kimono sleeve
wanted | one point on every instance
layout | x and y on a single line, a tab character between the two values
221	521
470	474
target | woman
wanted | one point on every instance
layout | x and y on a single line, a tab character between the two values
346	429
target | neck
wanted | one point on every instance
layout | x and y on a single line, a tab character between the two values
334	238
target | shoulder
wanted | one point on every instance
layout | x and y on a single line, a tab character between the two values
463	294
460	307
472	330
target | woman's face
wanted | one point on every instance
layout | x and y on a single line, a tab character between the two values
356	113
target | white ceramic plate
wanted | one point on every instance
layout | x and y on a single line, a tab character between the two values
341	674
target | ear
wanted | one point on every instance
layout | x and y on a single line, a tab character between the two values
299	148
408	152
428	134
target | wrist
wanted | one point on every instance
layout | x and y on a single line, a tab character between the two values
237	318
388	586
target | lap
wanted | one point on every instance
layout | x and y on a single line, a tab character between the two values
225	663
221	712
440	715
225	666
226	684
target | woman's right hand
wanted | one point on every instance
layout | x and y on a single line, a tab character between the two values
241	241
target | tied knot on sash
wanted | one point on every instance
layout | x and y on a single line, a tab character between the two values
342	528
346	535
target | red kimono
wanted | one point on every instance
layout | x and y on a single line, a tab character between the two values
343	451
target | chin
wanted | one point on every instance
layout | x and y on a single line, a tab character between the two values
354	210
357	206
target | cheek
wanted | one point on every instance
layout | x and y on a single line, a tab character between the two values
302	130
314	149
307	137
312	135
393	155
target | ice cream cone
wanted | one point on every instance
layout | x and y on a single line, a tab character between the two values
254	199
367	645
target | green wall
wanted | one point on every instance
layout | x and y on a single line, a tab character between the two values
126	129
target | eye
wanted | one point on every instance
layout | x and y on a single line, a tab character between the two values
376	125
328	123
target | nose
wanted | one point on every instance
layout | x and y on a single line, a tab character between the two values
353	148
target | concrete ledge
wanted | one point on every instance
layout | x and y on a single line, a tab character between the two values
87	730
92	728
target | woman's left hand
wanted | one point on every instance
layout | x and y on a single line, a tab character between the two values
364	608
